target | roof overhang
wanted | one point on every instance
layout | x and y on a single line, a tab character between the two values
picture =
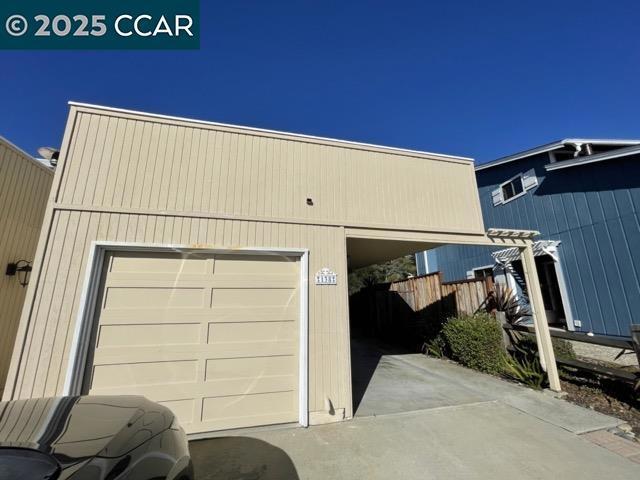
293	136
554	146
600	157
36	161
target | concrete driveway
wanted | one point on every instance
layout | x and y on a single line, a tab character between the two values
423	418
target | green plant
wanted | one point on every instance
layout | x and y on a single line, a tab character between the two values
504	299
476	342
436	347
523	365
563	348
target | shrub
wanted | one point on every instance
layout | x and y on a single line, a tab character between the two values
563	348
476	342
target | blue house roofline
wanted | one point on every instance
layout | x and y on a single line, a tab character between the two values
573	142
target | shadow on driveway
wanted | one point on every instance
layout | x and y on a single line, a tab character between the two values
240	458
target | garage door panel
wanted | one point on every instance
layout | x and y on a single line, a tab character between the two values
175	353
251	332
233	387
252	367
213	315
144	373
249	421
144	279
259	404
214	337
134	262
230	297
256	265
165	280
126	298
255	281
128	334
289	312
249	386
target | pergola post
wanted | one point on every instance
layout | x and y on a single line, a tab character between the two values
543	336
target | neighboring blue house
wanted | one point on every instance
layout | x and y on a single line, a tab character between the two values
583	196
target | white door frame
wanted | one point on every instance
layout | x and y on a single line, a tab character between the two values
562	285
86	312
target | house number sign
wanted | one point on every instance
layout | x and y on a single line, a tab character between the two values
326	277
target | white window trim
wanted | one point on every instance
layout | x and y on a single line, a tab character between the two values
484	267
86	313
524	191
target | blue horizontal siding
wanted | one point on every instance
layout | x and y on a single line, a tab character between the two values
594	211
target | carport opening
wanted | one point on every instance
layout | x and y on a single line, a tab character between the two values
381	321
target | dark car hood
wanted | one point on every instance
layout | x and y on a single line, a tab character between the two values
73	429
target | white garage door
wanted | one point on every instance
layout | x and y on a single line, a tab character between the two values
213	337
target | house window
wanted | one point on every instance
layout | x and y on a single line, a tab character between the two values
483	272
512	188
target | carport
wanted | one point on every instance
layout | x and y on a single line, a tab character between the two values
386	384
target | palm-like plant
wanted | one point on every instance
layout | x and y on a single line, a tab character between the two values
504	299
524	366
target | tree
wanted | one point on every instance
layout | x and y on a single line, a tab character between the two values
391	271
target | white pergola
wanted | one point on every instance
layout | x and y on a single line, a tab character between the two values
521	243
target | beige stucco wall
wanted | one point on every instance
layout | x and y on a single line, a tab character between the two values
24	188
126	176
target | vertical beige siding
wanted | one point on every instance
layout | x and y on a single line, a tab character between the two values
24	190
137	164
56	302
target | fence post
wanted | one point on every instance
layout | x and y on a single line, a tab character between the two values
501	318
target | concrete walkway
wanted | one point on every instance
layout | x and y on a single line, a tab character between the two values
422	418
411	382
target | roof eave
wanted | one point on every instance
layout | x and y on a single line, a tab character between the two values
347	143
552	146
623	152
26	155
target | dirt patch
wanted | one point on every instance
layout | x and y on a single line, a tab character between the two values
605	396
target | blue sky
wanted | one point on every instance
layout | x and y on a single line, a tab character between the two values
476	78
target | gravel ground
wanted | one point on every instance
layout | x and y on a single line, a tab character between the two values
604	354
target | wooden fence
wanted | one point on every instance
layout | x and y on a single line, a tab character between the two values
409	308
428	291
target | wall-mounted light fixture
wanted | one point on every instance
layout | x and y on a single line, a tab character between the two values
22	268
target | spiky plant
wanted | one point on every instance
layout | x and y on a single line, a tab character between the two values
505	300
523	365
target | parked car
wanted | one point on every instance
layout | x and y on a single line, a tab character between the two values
91	437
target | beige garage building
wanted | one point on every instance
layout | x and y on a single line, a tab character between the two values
25	184
205	265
